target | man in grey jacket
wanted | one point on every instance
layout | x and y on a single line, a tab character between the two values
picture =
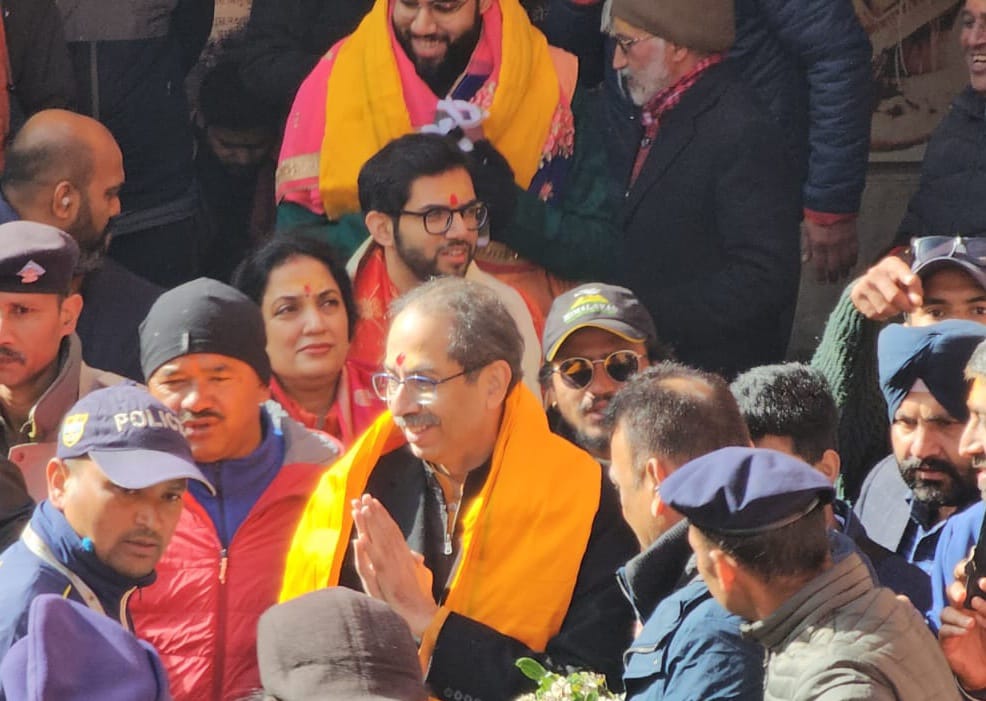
758	531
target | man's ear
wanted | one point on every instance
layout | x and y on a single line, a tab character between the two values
56	474
65	202
829	465
496	379
725	567
69	313
656	470
381	227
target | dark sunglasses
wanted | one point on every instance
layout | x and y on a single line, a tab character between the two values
577	373
928	248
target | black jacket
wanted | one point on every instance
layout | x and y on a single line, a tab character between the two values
711	224
40	70
130	62
950	199
809	62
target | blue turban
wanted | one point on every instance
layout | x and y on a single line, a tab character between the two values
936	354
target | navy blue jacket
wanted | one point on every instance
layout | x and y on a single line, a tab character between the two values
950	199
809	61
23	576
956	540
690	647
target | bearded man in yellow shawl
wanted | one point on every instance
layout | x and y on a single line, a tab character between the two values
539	160
492	537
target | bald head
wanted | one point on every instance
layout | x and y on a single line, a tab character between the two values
65	170
55	145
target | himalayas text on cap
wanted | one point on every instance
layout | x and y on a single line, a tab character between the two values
134	439
742	491
597	305
36	258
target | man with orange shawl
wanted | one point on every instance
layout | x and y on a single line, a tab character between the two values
386	79
493	538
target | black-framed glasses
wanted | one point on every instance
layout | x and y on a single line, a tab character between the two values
627	43
439	7
927	248
422	390
577	373
438	220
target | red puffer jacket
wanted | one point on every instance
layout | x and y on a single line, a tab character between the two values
201	613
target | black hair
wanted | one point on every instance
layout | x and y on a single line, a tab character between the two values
225	101
252	274
797	549
385	180
31	162
792	400
677	412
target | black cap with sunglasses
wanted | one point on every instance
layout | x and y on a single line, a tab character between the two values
596	305
931	253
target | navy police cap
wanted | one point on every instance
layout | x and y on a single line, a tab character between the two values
742	491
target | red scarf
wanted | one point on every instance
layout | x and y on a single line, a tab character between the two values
374	291
665	100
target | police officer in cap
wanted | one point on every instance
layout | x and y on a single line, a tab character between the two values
758	531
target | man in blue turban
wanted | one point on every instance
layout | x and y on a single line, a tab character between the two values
908	495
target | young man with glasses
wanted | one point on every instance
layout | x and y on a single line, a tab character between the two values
425	221
595	338
491	537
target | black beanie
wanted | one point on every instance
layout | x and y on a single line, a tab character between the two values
204	316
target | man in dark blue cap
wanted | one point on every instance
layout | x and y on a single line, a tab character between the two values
757	526
908	496
115	494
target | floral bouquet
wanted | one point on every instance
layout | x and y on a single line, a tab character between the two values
578	686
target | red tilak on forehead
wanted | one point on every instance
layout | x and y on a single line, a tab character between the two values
308	290
453	200
400	359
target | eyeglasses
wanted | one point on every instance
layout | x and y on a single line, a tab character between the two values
439	7
927	248
421	390
627	43
438	220
620	365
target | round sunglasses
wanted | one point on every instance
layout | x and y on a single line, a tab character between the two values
577	373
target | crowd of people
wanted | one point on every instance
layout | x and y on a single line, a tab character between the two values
444	338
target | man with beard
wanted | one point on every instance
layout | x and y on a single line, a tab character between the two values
517	539
540	161
595	338
425	221
202	347
710	205
66	170
907	497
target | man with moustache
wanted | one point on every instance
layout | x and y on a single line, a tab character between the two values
491	537
907	497
596	337
962	633
411	65
203	353
115	491
710	205
41	368
425	221
65	170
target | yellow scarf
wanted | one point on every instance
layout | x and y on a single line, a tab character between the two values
365	106
523	536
